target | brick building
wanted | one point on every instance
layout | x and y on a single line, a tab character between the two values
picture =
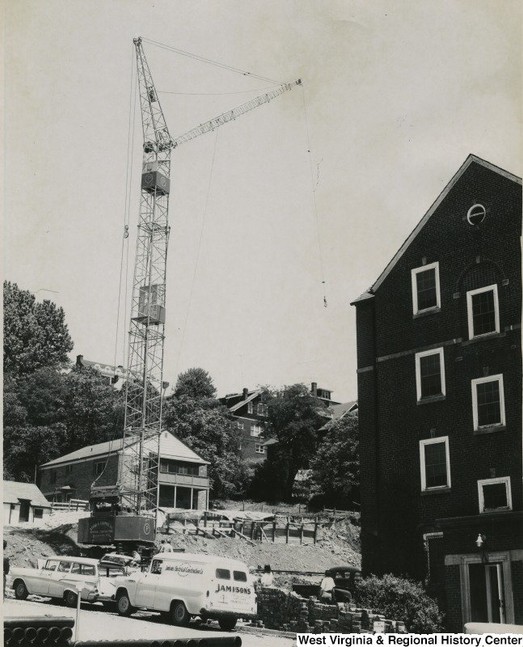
439	395
183	474
249	410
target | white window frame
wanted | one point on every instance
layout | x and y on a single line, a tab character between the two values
256	434
423	473
494	481
475	414
425	353
259	448
414	274
470	320
250	408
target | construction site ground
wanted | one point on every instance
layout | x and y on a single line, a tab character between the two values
337	544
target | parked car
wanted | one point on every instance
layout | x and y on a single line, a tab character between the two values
59	577
345	579
182	585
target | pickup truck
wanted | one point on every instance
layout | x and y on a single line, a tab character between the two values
183	585
59	577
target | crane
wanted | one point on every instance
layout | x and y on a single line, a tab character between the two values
137	487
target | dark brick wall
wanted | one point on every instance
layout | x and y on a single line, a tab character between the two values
395	513
517	584
454	612
81	477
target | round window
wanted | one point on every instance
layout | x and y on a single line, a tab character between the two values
476	214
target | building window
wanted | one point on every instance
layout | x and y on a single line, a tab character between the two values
98	468
38	513
256	430
483	311
434	463
261	410
240	425
425	288
172	467
494	494
68	470
430	374
250	408
488	402
259	449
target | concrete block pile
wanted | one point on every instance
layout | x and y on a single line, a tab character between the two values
288	611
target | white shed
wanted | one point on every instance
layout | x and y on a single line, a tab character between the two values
23	503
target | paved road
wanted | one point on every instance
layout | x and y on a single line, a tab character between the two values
99	624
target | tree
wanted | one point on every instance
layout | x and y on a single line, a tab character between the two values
207	428
294	419
35	334
336	467
48	414
195	383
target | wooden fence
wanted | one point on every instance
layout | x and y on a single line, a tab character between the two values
71	505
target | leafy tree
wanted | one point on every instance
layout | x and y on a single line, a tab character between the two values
294	419
195	383
206	427
336	467
25	448
70	410
35	334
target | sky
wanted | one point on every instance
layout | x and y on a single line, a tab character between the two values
305	198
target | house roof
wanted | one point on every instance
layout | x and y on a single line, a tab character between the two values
253	395
15	490
170	447
471	159
337	411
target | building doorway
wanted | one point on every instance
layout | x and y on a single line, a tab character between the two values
487	603
25	506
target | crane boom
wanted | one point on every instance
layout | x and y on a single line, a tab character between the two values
230	115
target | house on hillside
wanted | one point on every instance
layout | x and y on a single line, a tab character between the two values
23	503
338	411
183	477
439	395
249	410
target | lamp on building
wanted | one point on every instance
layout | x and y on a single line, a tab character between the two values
481	541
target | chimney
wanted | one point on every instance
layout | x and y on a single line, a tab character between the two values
79	359
314	389
245	393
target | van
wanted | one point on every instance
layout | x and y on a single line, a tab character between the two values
183	585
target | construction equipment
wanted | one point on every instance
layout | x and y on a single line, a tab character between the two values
134	500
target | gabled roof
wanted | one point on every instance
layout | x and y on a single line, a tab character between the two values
170	447
338	411
471	159
15	490
252	396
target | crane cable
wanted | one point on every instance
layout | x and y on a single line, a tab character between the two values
209	61
124	274
204	219
313	191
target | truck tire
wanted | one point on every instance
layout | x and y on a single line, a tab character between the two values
227	624
123	605
70	599
179	614
21	591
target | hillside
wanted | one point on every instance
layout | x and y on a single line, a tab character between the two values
338	543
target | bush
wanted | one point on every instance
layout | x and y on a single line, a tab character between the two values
399	598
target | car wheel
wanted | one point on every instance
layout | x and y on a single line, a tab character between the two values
21	591
179	614
123	605
227	624
70	599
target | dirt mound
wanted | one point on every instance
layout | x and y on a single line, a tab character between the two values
26	546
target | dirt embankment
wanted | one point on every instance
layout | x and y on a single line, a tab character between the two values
338	544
